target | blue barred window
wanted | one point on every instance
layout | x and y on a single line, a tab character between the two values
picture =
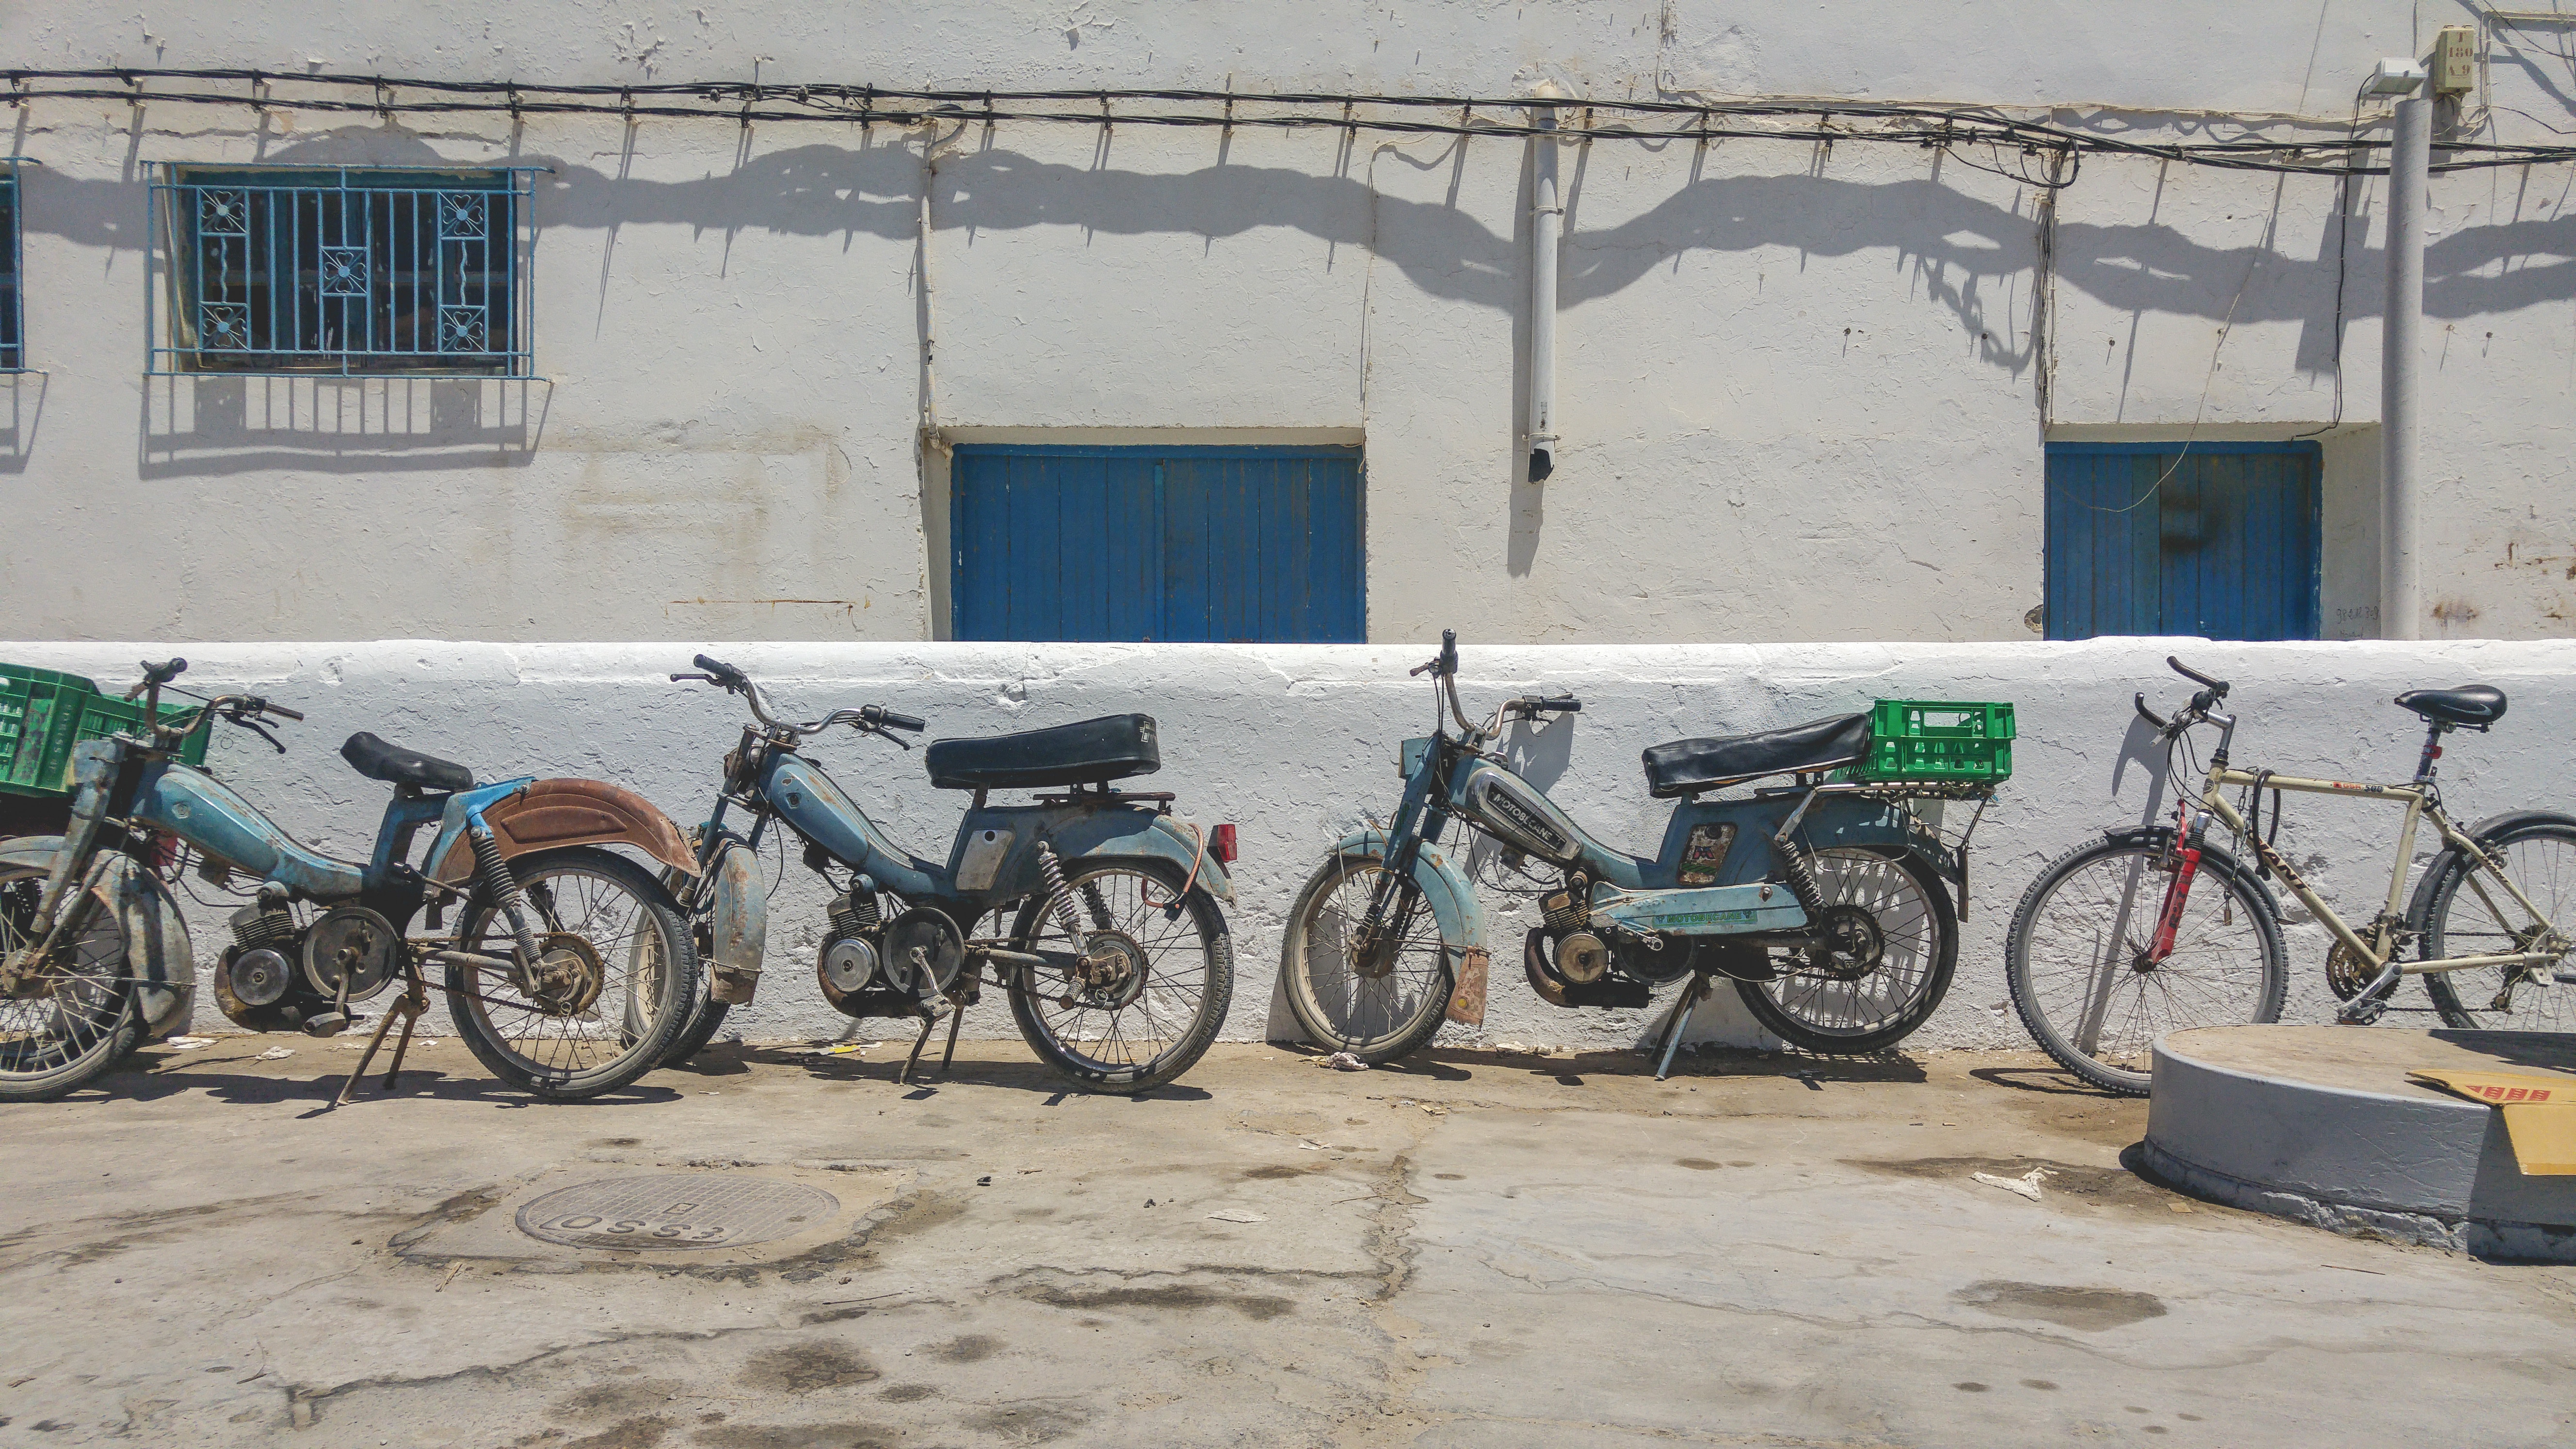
348	272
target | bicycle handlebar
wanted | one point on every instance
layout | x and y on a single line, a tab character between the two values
2217	686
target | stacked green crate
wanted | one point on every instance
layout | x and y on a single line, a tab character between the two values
1951	741
43	714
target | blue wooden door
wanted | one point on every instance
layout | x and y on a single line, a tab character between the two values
1175	544
2217	539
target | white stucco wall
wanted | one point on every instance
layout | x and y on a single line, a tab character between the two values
1294	743
1799	386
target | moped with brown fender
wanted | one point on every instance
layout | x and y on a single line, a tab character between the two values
569	971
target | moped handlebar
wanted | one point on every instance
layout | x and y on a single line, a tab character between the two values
1561	704
874	718
894	721
156	675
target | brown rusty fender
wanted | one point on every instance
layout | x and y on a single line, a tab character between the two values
552	814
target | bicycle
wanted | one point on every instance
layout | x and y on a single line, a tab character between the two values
2097	976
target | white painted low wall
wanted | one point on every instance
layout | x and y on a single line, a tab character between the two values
1295	742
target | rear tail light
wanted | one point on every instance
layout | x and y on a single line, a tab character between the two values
1221	843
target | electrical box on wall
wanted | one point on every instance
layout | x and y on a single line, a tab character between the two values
2455	59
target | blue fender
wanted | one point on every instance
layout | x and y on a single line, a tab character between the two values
1103	835
1446	888
158	954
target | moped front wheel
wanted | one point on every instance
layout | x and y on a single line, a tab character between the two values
76	1018
616	982
1155	979
1377	1001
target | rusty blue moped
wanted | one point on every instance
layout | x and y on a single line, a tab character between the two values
1825	901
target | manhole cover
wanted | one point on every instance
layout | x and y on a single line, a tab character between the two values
677	1210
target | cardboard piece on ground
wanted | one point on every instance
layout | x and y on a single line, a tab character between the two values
2539	1113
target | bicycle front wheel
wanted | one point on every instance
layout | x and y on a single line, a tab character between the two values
76	1018
2076	958
1377	1005
615	981
2470	913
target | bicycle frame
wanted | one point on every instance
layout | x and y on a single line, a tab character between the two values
2422	803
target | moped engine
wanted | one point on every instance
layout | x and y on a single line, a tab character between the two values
859	969
260	981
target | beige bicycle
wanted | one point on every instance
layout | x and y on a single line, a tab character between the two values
2158	928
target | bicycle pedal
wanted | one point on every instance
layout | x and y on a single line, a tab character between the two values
2361	1013
329	1023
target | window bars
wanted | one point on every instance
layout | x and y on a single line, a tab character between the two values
13	315
339	272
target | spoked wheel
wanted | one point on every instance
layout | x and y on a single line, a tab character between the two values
1891	942
75	1018
2077	960
1147	983
1376	999
2470	913
616	979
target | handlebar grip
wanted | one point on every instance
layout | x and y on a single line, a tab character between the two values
1562	704
2150	716
1448	651
726	674
164	672
892	720
2194	675
279	710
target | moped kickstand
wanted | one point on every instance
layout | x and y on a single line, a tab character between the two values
930	1023
408	1006
1671	1040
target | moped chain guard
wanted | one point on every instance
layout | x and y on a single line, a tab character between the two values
1703	911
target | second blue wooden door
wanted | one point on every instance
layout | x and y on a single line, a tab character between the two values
1175	544
2219	540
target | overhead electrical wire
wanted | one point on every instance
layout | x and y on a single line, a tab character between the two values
1926	125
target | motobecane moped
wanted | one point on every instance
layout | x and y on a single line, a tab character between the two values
1823	901
569	972
1118	961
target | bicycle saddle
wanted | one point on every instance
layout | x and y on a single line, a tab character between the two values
394	765
1686	767
2470	704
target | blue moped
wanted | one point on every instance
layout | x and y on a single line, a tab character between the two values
1824	900
1118	961
569	973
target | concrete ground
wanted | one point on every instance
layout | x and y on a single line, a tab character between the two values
1474	1250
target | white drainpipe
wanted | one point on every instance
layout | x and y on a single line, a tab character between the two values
2401	594
1547	221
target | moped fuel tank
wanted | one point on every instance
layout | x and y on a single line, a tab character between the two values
1510	808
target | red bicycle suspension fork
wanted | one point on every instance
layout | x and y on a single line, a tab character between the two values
2177	892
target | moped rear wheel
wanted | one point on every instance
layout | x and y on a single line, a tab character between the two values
79	1018
1377	1009
621	976
1870	993
1166	977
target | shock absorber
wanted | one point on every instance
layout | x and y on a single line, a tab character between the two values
1064	911
505	889
1802	882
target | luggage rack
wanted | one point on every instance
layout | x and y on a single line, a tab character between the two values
1906	793
1103	796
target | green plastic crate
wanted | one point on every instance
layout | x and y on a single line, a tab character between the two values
1939	739
43	714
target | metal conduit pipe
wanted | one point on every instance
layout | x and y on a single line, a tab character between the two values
1547	222
2410	157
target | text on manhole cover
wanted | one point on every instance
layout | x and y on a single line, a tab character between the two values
677	1210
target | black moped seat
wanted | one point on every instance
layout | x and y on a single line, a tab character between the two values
1686	767
394	765
1093	752
2470	704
